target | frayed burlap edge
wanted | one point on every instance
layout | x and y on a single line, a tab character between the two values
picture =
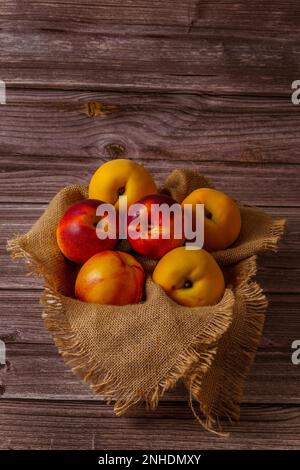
201	351
237	362
193	365
276	233
78	358
14	247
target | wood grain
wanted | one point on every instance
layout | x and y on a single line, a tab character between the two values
282	278
86	15
171	84
38	372
251	184
52	425
277	273
21	312
151	58
162	129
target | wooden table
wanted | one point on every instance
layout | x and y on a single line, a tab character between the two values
204	84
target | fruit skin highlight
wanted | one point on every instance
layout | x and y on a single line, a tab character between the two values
76	232
156	247
112	278
121	177
190	277
222	223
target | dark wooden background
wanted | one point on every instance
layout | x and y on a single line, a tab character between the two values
172	83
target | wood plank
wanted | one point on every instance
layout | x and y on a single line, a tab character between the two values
26	179
151	59
204	56
21	313
85	15
277	272
38	372
282	277
155	127
34	425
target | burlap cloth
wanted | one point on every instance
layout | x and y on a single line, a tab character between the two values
134	353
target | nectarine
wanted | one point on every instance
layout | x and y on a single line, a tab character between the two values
121	177
110	277
76	233
222	222
163	228
190	277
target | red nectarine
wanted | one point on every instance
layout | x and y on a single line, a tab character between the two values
76	232
157	235
110	277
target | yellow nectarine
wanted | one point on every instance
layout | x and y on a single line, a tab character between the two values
222	223
190	277
121	177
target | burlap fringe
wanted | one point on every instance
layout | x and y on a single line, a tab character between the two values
14	247
190	366
244	344
78	358
276	233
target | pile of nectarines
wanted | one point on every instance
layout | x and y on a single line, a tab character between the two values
87	234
